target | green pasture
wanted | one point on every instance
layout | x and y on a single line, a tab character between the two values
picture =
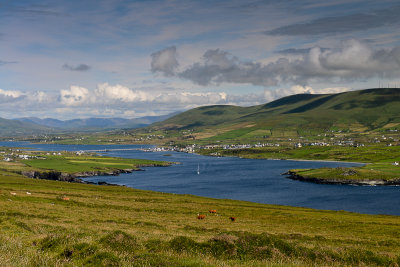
74	164
52	223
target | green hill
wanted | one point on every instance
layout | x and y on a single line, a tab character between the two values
302	114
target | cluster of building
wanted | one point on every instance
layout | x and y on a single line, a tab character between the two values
16	154
12	156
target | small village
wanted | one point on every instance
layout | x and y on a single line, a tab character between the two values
13	154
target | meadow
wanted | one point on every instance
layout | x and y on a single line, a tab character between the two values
68	165
74	164
53	223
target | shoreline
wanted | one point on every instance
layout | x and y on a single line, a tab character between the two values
74	177
80	176
331	161
291	159
294	176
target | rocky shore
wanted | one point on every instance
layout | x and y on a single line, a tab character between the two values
294	176
73	177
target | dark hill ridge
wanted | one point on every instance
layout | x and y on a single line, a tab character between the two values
362	110
97	124
290	100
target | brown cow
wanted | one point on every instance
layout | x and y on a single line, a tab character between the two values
201	216
212	211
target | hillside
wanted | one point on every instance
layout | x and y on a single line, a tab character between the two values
19	128
302	114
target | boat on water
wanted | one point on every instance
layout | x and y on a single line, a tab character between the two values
198	169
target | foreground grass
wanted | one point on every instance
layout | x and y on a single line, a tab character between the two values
47	223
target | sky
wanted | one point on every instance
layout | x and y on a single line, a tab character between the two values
70	59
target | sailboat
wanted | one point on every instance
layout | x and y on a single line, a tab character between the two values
198	169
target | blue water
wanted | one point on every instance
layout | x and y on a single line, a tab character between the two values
242	179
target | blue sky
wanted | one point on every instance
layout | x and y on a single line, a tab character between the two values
70	59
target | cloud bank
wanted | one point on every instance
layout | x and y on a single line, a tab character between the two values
107	100
351	61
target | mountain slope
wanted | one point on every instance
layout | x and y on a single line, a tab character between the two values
18	128
358	111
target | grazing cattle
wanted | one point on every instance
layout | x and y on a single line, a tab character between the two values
65	198
232	219
12	193
212	211
200	216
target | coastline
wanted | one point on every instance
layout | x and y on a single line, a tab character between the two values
332	161
79	177
294	176
73	177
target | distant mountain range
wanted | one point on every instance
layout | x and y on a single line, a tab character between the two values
33	125
95	123
18	128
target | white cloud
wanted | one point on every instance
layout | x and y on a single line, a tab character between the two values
74	96
122	93
8	95
190	99
40	97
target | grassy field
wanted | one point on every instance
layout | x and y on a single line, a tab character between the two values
67	162
374	172
74	164
52	223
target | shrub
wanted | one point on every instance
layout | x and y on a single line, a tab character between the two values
183	243
120	241
154	245
51	242
151	259
80	250
222	246
103	259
